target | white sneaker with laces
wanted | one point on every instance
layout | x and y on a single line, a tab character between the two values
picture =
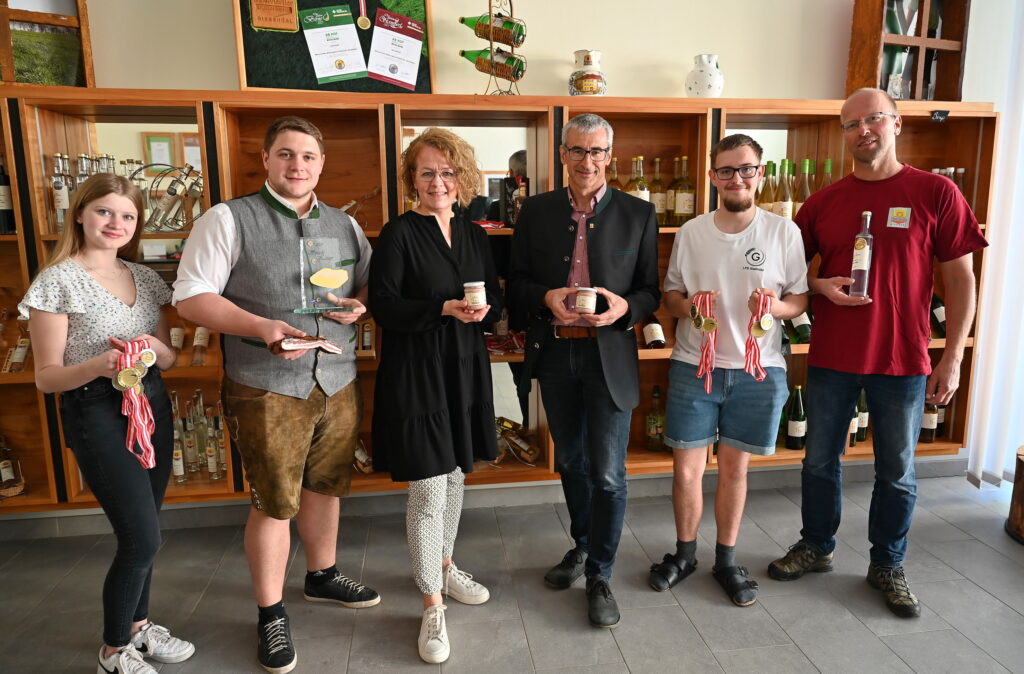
433	640
125	661
461	587
155	641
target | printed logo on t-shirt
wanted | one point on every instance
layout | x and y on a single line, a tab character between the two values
755	260
899	217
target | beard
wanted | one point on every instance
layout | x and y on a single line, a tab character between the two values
736	204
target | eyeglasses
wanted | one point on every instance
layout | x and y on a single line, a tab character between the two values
577	153
871	120
428	176
727	172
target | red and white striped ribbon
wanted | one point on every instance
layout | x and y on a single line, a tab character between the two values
136	407
703	302
752	356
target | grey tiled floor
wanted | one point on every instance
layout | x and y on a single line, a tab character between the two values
968	574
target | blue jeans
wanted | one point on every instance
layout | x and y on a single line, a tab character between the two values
590	435
896	404
130	495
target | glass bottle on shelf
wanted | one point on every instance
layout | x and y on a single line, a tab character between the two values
938	317
653	332
637	186
796	420
83	170
861	268
172	193
222	445
658	194
853	428
501	64
960	178
655	423
199	423
862	416
783	204
191	452
803	190
59	192
504	29
6	202
4	315
670	192
929	423
200	341
685	195
766	197
801	328
613	170
212	459
826	175
21	347
178	458
940	422
10	471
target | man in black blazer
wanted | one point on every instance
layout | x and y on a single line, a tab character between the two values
587	235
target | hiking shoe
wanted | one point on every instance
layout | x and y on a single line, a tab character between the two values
154	641
563	574
800	559
893	582
461	587
603	610
276	652
342	590
125	661
433	640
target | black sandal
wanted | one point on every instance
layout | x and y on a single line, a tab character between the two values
667	574
733	579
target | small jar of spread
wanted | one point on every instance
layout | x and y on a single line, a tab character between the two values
586	301
476	294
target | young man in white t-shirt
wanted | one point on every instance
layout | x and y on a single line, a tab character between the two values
732	254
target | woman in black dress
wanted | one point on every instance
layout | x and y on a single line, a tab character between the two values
433	412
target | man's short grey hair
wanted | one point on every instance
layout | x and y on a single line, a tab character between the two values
587	123
517	164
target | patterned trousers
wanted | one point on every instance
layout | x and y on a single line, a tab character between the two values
431	523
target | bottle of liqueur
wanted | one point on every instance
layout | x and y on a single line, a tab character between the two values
178	458
212	465
862	416
766	198
654	333
783	204
178	337
803	189
670	192
826	175
638	186
862	246
21	348
502	64
6	202
938	317
655	423
613	170
174	191
853	428
10	474
501	28
200	341
685	196
796	420
801	328
59	193
191	452
199	423
658	194
222	445
929	423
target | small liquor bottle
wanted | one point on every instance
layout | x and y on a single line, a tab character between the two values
191	453
178	458
222	445
862	246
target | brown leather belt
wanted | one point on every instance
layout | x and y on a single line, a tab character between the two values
574	332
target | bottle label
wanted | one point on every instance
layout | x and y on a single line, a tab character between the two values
940	314
930	420
211	458
641	194
654	426
796	429
366	341
20	350
6	470
177	338
942	414
853	425
783	208
670	199
862	420
190	448
201	337
684	203
177	464
60	198
802	319
861	255
659	199
653	332
5	198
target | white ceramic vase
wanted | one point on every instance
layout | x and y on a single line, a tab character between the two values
587	79
705	80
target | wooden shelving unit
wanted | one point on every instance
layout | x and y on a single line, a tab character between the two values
364	142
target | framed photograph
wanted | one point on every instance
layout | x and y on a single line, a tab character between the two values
189	151
492	183
158	148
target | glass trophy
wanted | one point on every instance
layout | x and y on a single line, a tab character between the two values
321	272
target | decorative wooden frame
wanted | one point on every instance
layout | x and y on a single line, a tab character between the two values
81	22
150	142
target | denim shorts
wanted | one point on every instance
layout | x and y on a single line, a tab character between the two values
741	412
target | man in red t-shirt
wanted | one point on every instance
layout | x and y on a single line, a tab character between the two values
878	343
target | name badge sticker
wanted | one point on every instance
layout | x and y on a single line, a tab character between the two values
899	218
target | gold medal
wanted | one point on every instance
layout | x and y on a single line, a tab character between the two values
757	331
693	311
363	22
141	368
767	321
698	321
709	325
139	388
148	357
126	378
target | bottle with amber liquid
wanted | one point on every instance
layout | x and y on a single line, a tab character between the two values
826	175
613	174
862	246
685	196
655	423
10	473
796	420
766	197
658	194
638	186
803	188
929	423
654	333
670	191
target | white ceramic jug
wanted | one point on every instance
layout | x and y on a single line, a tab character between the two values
587	79
705	80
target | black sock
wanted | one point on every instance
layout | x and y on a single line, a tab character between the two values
687	551
323	575
725	555
268	613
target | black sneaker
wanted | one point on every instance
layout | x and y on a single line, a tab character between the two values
893	582
276	652
344	591
563	574
603	610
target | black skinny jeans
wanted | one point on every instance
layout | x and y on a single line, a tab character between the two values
130	495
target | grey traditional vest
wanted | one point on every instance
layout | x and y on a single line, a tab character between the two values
278	251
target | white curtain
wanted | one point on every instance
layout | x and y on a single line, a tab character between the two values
996	426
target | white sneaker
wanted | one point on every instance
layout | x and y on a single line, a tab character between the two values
461	587
154	641
433	641
125	661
